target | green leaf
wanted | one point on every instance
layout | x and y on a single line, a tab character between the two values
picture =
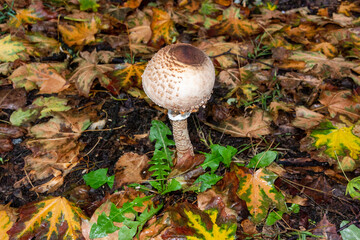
97	178
103	227
22	116
146	215
126	233
262	159
88	4
295	208
207	180
174	185
207	8
50	104
353	188
273	217
350	233
159	132
219	154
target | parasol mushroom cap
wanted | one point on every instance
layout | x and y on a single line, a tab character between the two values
180	78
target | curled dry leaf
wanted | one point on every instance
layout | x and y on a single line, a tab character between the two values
253	127
131	168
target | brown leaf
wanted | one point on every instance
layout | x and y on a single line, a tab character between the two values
341	102
9	131
12	98
131	168
306	119
253	127
6	145
326	229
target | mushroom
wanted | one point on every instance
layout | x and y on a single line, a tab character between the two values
180	78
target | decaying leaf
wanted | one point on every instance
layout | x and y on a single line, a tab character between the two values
163	27
80	34
90	69
9	49
326	229
12	98
326	48
253	127
130	168
52	218
258	191
306	119
48	77
339	140
24	16
341	102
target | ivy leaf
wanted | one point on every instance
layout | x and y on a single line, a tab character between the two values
9	49
51	218
262	159
339	141
258	191
207	180
219	154
163	27
88	4
97	178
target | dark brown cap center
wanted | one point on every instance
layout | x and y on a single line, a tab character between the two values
188	54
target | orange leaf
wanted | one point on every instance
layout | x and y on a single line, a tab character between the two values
236	25
326	48
80	34
132	3
24	16
163	27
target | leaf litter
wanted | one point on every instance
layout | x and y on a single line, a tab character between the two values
287	87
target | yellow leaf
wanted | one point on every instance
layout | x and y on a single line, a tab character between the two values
217	232
24	16
7	219
129	75
80	34
9	49
163	27
339	141
326	48
53	218
258	191
346	8
132	3
237	25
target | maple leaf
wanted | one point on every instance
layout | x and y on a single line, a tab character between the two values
341	102
163	27
48	219
128	75
339	140
237	25
80	34
258	191
44	45
24	16
88	70
9	49
45	76
253	127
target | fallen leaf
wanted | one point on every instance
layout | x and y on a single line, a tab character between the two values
339	140
12	98
131	168
45	76
127	75
24	16
54	217
257	189
253	127
341	102
9	49
326	229
80	34
326	48
306	119
163	27
237	25
88	70
7	220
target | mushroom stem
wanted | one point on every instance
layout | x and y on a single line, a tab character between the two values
181	137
